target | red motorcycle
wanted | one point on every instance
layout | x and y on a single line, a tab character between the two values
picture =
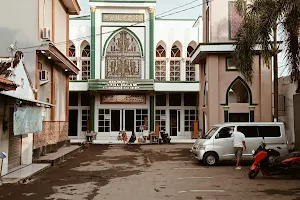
269	162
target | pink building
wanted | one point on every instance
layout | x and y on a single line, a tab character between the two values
224	95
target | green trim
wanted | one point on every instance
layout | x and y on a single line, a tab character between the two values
226	116
151	40
177	81
92	113
164	19
247	87
93	41
152	113
227	69
252	117
124	1
78	81
87	17
115	32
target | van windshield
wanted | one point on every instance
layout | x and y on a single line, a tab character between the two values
211	132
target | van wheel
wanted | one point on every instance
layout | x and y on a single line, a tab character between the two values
210	159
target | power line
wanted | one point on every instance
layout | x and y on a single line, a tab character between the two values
81	38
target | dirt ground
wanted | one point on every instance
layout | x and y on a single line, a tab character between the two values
133	172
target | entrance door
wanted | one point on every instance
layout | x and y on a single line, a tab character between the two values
73	122
174	122
15	145
128	120
116	120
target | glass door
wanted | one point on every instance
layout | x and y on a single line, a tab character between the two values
116	120
128	120
174	122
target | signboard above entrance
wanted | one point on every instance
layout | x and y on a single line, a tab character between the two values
116	85
122	17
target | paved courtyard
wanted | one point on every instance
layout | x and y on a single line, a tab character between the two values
147	173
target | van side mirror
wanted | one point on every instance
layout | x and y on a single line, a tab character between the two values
217	136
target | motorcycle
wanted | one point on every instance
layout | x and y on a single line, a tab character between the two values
269	162
165	138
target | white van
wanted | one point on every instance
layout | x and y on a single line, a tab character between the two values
217	144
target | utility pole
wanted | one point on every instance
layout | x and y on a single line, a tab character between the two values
275	65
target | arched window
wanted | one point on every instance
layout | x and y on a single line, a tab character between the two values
85	61
238	93
160	51
72	50
123	57
190	69
175	52
190	50
86	51
160	63
175	64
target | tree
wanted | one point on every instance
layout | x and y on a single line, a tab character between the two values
261	21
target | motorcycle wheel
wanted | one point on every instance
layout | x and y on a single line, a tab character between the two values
252	174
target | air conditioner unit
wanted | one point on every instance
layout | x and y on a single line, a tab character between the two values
46	33
44	75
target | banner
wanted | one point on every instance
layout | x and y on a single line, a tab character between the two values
28	120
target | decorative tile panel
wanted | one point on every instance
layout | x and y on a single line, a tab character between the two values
123	99
52	133
122	17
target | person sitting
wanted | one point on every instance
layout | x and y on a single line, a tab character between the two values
132	138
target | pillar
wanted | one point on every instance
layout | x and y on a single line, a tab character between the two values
151	67
93	41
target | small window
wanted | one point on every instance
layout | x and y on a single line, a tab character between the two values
269	131
85	99
249	131
230	65
190	99
175	99
225	132
161	100
73	99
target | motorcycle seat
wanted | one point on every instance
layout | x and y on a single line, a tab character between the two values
295	154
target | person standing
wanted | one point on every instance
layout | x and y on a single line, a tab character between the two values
239	145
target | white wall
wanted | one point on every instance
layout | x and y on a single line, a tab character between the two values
20	78
4	136
288	89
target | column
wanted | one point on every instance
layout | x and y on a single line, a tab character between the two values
151	45
93	42
251	113
92	112
151	67
226	113
152	113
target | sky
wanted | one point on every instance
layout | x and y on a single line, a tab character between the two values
193	13
163	6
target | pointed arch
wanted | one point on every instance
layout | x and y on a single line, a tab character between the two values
176	49
85	49
72	49
190	49
193	44
244	85
161	49
123	57
104	50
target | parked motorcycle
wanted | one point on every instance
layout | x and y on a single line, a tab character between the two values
165	138
269	162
